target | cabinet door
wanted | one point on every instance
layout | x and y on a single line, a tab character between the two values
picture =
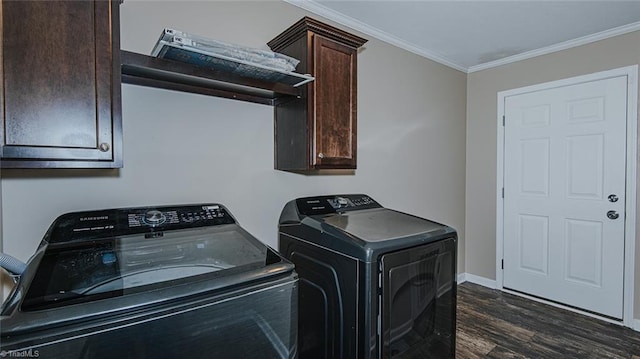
335	96
60	94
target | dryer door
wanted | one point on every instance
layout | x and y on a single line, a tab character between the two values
418	301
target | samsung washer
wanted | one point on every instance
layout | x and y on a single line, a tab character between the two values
152	282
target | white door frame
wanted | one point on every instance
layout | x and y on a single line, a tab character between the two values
630	219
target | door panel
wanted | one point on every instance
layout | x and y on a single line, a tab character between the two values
61	83
583	253
565	151
534	243
335	105
585	166
535	175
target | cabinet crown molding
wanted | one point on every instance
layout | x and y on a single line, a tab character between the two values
307	24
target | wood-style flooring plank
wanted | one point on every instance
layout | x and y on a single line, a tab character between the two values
472	346
504	353
493	324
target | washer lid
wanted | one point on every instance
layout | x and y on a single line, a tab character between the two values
380	224
81	271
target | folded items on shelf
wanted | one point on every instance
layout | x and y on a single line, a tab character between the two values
215	47
216	55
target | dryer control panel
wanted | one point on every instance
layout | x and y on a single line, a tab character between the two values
320	205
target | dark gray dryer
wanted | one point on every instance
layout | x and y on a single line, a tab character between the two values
374	282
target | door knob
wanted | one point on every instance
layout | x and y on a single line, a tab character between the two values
613	198
613	215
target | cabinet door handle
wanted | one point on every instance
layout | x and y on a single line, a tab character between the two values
104	147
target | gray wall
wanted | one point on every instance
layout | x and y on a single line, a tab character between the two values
482	89
181	148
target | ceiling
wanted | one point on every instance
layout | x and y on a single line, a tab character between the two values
476	34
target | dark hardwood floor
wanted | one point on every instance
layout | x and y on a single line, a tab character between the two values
492	324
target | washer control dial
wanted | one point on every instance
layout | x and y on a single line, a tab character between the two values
154	218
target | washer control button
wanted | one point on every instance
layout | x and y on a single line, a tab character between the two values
154	218
342	201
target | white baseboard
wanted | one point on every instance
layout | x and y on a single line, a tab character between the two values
636	325
476	279
462	277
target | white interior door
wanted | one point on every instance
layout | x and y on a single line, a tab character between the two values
564	194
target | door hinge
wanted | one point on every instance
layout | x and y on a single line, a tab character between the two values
503	120
502	263
502	192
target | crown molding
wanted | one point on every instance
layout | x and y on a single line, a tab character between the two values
621	30
318	9
357	25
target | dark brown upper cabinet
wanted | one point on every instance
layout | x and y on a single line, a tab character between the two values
60	93
318	130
